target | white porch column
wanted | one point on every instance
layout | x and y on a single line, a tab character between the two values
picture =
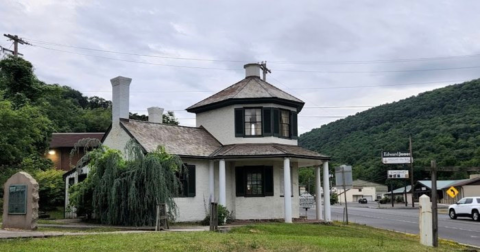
211	179
318	193
287	192
326	192
222	184
76	177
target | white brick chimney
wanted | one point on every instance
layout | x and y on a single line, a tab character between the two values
120	98
155	114
252	69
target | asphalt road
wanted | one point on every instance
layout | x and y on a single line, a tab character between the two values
462	230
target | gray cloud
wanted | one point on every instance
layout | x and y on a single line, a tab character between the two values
312	33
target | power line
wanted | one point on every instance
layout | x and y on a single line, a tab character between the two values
377	86
338	62
284	70
381	71
143	55
311	88
134	61
321	116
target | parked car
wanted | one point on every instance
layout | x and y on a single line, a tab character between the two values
466	207
362	201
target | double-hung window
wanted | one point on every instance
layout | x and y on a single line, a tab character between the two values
285	123
253	122
254	181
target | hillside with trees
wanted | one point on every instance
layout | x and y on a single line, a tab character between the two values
444	125
31	110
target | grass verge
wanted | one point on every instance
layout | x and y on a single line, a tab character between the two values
263	237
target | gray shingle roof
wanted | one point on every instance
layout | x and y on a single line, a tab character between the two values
178	140
198	142
267	150
248	88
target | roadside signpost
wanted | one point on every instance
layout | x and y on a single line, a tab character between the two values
395	158
307	201
343	178
452	192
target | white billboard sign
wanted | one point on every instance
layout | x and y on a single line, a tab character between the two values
397	157
398	174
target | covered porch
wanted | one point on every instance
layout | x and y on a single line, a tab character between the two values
252	180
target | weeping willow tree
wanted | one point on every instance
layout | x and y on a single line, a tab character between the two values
126	191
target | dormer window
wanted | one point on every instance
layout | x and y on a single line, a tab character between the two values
259	122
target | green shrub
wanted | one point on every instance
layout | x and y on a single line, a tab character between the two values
333	198
384	200
52	189
399	199
224	216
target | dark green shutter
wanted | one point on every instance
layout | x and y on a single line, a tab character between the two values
268	181
276	122
239	122
239	182
191	181
294	125
267	121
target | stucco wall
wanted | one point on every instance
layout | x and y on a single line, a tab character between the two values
221	124
270	207
195	208
471	190
117	138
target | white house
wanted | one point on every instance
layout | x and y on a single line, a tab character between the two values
243	152
362	189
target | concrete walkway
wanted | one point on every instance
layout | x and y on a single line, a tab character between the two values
13	233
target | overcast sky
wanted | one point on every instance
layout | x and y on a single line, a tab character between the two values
327	53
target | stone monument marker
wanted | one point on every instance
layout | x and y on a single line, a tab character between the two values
20	202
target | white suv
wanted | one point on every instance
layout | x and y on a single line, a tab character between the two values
466	207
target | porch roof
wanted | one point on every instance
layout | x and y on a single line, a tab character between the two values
265	151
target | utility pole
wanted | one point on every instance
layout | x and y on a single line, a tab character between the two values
8	50
434	203
265	70
16	40
412	191
345	194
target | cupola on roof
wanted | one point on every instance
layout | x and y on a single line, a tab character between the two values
250	90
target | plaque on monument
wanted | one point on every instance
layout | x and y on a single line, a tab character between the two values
20	202
17	203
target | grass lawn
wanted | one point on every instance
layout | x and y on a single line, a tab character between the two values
262	237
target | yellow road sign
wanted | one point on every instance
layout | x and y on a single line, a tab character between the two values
452	192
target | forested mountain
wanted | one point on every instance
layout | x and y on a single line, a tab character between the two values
444	125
